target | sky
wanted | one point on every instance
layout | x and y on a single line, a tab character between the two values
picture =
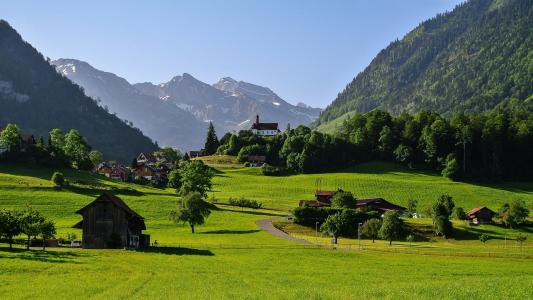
305	51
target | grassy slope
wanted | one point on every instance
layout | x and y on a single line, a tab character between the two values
386	180
212	263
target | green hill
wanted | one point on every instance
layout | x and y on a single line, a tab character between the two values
231	258
470	60
36	98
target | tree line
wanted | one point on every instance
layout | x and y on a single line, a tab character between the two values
60	149
492	145
28	222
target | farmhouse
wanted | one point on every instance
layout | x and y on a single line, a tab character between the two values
116	172
378	204
109	223
264	129
146	158
322	198
256	160
193	154
480	215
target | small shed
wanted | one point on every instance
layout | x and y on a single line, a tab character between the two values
378	204
324	197
480	215
109	223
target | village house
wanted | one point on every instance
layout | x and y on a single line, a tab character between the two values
146	158
256	160
378	204
146	171
195	154
323	198
264	129
109	223
480	215
113	171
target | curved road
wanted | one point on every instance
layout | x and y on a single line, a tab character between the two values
267	226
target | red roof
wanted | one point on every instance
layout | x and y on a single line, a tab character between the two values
325	193
475	210
265	126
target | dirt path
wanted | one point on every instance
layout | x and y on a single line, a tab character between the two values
267	226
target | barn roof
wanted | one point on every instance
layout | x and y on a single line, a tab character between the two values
265	126
379	202
475	210
325	193
116	201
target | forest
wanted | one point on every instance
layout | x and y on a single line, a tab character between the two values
493	145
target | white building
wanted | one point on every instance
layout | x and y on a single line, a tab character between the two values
264	129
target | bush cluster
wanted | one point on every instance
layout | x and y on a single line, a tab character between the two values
243	202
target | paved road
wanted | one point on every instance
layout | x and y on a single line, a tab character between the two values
267	226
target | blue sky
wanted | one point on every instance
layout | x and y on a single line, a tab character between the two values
303	50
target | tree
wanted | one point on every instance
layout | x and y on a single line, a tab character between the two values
174	179
233	145
170	154
459	213
96	157
404	154
411	206
192	209
47	230
391	228
385	140
514	214
77	150
334	225
195	177
58	179
9	225
371	228
343	199
211	141
521	238
441	212
293	162
56	138
30	223
451	168
483	238
10	138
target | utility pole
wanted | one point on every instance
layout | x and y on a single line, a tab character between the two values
359	234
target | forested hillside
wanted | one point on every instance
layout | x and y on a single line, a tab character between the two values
467	60
36	98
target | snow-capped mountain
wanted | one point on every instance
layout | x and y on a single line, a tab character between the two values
175	113
230	104
164	122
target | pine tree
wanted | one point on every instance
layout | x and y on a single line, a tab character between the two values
211	141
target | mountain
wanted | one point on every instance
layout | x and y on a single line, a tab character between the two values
467	60
162	121
36	98
229	104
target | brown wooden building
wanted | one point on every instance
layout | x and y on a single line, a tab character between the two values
480	215
378	204
109	223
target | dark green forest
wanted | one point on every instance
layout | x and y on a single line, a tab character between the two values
36	98
494	145
467	60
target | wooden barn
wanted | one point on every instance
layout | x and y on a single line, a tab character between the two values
480	215
378	204
109	223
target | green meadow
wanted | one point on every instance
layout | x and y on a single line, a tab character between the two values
230	257
377	179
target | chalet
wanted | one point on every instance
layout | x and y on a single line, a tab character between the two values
109	223
119	172
378	204
480	215
104	168
146	171
193	154
264	129
324	197
146	158
256	160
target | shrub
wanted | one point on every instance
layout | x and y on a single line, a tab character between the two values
309	216
343	199
247	164
243	202
459	214
58	179
269	170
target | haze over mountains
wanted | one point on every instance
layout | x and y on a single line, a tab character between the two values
175	113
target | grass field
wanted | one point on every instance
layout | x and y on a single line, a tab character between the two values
230	257
378	179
